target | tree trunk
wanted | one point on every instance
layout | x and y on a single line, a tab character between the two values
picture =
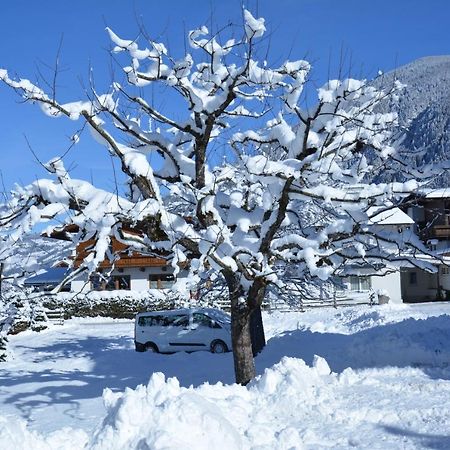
257	331
247	331
255	297
244	365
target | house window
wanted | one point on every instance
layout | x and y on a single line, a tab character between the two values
412	278
119	282
360	284
96	282
161	281
114	283
445	270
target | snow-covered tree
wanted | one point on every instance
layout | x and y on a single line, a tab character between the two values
235	217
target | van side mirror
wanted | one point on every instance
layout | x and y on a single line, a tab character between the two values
214	324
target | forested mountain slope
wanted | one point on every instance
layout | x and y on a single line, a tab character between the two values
424	110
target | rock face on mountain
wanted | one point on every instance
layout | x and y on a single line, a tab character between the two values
424	110
33	253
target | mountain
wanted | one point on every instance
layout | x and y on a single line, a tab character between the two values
34	253
424	110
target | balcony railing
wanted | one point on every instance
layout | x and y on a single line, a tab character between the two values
441	231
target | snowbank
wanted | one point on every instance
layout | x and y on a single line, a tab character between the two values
167	416
291	406
14	434
163	415
363	337
382	381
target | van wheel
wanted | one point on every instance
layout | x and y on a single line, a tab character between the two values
151	347
218	347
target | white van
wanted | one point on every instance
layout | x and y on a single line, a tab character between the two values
183	330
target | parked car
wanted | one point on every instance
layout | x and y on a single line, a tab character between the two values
183	330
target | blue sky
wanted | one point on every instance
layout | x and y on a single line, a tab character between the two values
373	35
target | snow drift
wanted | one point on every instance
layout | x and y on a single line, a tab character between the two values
382	381
291	406
164	415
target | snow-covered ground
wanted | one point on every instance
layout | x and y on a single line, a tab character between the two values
381	381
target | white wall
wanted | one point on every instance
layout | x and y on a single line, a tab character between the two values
442	245
138	278
391	283
80	285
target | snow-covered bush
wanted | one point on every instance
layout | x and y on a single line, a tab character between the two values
20	309
117	304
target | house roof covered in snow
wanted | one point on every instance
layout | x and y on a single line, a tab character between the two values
52	275
435	193
391	216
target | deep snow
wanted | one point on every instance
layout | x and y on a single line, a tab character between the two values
389	386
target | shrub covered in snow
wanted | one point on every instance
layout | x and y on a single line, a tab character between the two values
21	310
120	304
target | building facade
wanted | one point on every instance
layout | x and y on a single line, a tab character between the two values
430	210
130	271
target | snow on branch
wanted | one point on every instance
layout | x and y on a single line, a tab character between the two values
293	189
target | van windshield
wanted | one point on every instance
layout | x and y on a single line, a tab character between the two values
219	316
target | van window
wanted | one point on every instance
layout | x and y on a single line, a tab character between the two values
201	319
151	321
204	321
167	321
180	321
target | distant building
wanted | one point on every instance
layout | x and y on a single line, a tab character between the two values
428	218
430	210
48	280
132	271
366	285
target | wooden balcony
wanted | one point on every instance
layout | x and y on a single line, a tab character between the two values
126	259
440	231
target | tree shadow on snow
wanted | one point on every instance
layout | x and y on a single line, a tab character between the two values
424	440
410	343
53	376
105	362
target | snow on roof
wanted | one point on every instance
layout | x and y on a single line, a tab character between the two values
52	275
436	193
440	258
392	216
